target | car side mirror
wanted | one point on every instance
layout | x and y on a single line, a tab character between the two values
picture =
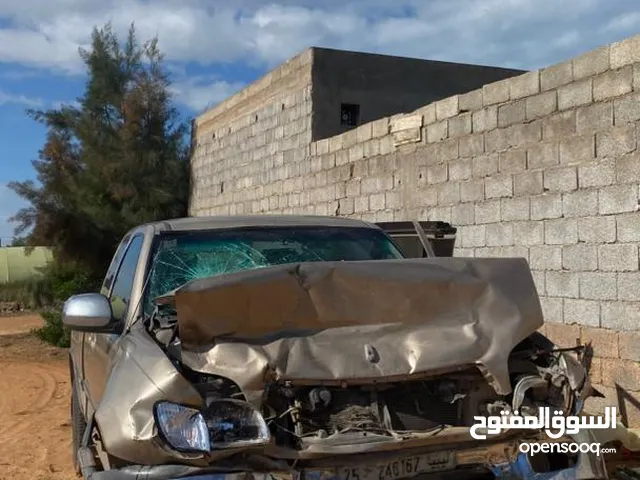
89	312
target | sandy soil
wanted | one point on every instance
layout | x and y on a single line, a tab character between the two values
34	405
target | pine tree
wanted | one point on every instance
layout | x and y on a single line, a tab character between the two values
118	159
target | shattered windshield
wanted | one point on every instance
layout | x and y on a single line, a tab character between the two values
180	257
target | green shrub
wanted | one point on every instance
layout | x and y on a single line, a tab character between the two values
53	331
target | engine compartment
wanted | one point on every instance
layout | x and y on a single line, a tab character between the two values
297	414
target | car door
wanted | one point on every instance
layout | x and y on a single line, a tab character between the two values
98	345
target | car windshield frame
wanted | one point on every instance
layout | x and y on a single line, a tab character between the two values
223	240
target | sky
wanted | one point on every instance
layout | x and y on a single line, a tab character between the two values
215	47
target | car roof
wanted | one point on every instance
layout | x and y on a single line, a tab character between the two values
239	221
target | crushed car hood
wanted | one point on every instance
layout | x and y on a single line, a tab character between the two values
354	322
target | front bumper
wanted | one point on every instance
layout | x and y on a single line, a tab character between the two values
496	461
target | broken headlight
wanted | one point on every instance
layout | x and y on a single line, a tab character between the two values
234	423
183	428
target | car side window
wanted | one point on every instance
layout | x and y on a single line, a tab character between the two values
123	283
113	267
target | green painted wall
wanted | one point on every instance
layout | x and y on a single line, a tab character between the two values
16	264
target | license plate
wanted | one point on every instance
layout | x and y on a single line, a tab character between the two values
401	468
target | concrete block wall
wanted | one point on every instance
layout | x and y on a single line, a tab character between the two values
251	141
544	166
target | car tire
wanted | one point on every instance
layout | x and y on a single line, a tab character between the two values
78	426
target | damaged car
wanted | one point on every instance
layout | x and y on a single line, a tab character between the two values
295	347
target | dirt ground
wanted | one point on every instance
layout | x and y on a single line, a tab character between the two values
34	405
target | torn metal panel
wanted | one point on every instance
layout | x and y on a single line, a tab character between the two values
311	321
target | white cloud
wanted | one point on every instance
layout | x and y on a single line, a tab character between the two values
7	98
41	34
48	34
200	93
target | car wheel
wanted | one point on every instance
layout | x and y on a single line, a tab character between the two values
78	425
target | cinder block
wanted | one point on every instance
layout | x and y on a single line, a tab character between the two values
460	169
577	149
377	201
471	145
626	109
512	161
463	214
618	257
496	140
591	63
625	52
472	191
600	229
524	85
604	342
627	168
485	119
528	233
562	284
437	173
561	231
511	113
376	184
614	83
563	179
616	141
472	235
517	208
538	280
621	315
499	234
497	92
559	126
575	94
629	346
629	286
447	108
447	150
528	183
556	75
448	193
371	148
361	204
471	101
437	132
485	165
580	257
523	134
618	199
498	186
552	311
598	286
380	128
596	174
591	118
545	257
364	132
623	374
488	211
543	155
580	203
460	125
541	105
627	227
582	312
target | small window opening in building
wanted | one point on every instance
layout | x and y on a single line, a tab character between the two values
349	115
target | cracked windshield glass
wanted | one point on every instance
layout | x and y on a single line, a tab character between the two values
182	257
